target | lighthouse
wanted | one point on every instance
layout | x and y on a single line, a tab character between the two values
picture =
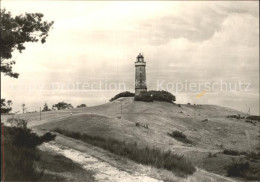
140	75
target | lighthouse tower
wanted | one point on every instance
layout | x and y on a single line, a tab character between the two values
140	75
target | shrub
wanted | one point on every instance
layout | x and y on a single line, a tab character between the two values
81	105
21	153
122	94
162	96
243	169
16	122
251	121
47	137
45	107
237	169
5	110
152	95
144	155
180	137
144	96
178	134
62	105
143	125
232	152
24	137
235	116
6	106
254	117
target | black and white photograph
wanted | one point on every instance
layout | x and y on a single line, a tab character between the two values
130	91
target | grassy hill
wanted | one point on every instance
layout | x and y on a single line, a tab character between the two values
148	124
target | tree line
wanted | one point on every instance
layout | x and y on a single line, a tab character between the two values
60	106
6	106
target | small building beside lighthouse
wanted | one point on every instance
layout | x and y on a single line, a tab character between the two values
140	75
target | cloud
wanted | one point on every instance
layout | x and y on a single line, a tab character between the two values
196	22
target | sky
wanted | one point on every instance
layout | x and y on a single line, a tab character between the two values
203	52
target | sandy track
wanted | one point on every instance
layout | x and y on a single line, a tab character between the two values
103	170
106	168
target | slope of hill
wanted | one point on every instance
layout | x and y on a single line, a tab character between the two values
207	126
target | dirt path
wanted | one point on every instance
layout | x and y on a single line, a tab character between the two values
211	177
107	167
103	170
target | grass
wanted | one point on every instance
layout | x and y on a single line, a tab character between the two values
210	155
253	155
152	157
243	170
180	137
20	153
58	164
19	164
247	167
